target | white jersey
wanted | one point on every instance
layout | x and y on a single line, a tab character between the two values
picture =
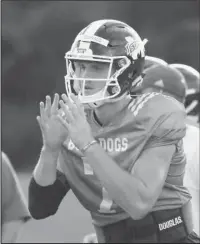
191	178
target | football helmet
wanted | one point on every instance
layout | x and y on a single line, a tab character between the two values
112	42
165	79
192	78
150	61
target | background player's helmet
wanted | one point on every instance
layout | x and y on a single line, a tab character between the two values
165	79
113	42
192	102
150	61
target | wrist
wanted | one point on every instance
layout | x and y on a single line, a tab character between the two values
88	145
45	170
50	154
50	150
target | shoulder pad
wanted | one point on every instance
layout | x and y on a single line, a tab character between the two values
154	105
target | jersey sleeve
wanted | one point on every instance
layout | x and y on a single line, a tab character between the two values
160	119
170	131
14	206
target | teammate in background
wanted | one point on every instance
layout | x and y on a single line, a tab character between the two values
164	79
124	164
170	81
151	61
14	207
191	178
191	141
192	102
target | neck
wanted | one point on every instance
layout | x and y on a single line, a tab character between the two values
110	111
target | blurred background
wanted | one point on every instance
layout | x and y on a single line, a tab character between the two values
35	36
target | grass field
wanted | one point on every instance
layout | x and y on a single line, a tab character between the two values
69	224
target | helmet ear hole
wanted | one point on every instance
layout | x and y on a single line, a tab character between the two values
115	89
127	78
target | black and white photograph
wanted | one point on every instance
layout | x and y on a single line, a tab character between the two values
100	113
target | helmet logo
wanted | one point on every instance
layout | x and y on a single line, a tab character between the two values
134	47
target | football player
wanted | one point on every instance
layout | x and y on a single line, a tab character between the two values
14	207
191	141
125	165
164	79
192	102
151	61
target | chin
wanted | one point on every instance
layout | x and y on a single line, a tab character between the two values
86	106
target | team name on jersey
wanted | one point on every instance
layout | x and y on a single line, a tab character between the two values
109	144
114	144
170	223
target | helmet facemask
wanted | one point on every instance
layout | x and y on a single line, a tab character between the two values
111	88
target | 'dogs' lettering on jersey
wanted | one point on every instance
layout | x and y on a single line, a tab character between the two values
114	144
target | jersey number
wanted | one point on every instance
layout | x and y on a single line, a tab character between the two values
107	202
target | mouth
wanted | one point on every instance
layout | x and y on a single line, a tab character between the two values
89	88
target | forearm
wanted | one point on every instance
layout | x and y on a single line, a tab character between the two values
43	201
45	170
47	187
122	187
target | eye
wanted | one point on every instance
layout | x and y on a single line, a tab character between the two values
72	65
96	67
100	66
78	65
82	66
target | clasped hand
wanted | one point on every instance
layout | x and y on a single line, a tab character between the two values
57	124
75	121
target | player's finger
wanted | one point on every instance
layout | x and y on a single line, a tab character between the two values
69	102
54	107
74	104
61	112
40	123
48	106
78	104
64	97
76	100
63	121
68	113
42	112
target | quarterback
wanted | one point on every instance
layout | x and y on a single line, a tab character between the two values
125	165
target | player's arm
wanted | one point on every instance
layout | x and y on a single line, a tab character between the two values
47	187
14	207
136	193
11	230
